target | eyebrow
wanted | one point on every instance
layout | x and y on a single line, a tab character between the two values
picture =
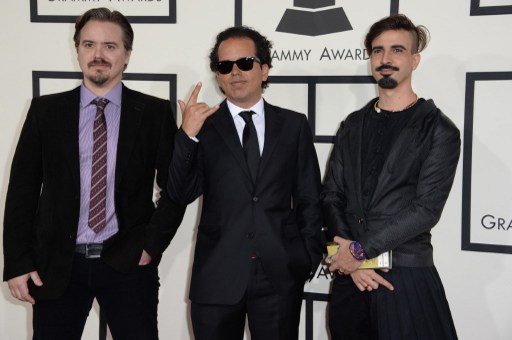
104	42
392	46
399	46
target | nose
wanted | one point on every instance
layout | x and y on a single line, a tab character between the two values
235	70
385	57
98	51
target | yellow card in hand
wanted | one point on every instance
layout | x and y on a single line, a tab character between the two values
332	248
381	261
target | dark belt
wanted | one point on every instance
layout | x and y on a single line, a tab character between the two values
90	250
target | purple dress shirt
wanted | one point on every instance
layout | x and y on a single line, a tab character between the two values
113	117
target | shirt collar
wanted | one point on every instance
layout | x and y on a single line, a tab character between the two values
257	108
114	95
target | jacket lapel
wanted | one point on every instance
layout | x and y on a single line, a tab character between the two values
131	117
69	113
273	130
355	157
223	122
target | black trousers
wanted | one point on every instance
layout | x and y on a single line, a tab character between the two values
129	302
270	316
351	314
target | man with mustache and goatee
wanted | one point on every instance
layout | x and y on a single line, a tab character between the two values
80	221
390	173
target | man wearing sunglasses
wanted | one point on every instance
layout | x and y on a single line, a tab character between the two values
255	164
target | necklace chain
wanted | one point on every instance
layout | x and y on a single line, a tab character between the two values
378	109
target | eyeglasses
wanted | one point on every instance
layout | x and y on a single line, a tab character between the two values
244	64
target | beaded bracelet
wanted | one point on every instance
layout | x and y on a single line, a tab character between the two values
357	250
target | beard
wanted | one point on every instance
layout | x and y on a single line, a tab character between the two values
99	78
387	82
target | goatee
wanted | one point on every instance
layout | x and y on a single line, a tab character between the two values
387	82
98	79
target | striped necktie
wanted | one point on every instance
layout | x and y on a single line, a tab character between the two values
97	204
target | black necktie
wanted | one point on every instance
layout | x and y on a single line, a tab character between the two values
250	144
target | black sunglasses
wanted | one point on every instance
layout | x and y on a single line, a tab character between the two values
244	64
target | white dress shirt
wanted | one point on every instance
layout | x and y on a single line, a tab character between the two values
258	118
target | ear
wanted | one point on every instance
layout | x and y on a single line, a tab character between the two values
128	54
264	71
416	60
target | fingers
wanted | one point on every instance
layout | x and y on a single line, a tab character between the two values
182	105
195	93
19	288
338	239
362	286
145	258
194	114
36	279
27	297
328	259
212	110
368	279
384	282
192	101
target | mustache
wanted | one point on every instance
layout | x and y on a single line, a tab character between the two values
99	61
386	66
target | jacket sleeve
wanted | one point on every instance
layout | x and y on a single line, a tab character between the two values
333	197
185	173
424	210
169	213
307	195
22	199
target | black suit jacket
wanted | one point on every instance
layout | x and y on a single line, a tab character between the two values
43	198
278	218
411	190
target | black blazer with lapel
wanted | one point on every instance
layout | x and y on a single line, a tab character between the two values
411	191
278	217
43	199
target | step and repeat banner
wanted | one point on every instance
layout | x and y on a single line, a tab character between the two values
321	69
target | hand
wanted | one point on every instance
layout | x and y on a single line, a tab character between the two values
19	288
145	258
194	114
368	279
343	261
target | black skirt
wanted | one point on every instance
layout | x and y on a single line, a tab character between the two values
416	310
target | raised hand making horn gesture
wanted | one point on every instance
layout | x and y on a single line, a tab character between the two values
194	114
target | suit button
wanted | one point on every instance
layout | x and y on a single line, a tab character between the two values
255	199
250	235
72	236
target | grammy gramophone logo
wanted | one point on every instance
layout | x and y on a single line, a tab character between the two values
314	17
